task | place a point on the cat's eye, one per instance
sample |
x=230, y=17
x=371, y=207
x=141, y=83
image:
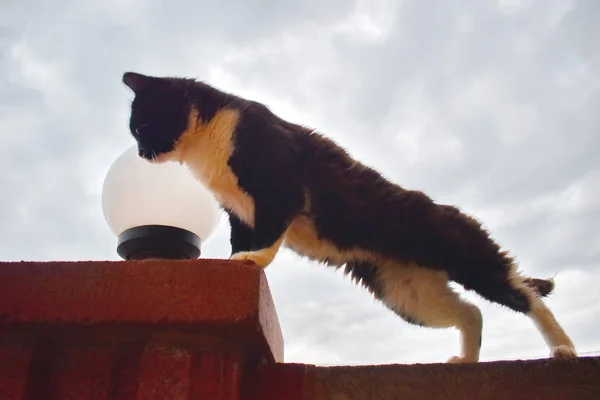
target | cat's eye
x=140, y=129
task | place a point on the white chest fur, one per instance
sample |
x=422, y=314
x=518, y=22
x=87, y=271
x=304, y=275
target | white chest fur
x=206, y=148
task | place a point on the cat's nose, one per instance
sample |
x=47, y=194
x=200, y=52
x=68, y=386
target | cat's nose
x=142, y=152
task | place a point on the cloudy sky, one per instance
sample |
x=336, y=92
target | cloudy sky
x=489, y=105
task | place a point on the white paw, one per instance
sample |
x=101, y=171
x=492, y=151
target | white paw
x=563, y=352
x=257, y=257
x=461, y=360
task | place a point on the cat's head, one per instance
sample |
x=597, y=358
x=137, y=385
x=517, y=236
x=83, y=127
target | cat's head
x=159, y=113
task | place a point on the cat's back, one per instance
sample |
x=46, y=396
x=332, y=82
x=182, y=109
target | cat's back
x=331, y=169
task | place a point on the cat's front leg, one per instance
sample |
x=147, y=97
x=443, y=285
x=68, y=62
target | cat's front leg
x=271, y=220
x=262, y=257
x=241, y=236
x=242, y=244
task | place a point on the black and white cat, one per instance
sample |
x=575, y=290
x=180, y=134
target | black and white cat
x=286, y=185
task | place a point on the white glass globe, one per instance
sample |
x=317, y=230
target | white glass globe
x=138, y=193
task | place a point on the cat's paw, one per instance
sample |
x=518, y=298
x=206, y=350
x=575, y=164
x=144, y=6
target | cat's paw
x=461, y=360
x=563, y=352
x=259, y=258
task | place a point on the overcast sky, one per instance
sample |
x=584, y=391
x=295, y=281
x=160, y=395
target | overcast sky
x=489, y=105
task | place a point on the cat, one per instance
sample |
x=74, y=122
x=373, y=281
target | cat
x=283, y=184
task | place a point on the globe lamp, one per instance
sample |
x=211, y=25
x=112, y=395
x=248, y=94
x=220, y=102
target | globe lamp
x=156, y=210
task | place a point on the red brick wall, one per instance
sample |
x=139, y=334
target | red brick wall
x=133, y=330
x=207, y=329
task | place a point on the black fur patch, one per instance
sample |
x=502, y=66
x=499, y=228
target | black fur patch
x=365, y=273
x=242, y=236
x=266, y=161
x=543, y=287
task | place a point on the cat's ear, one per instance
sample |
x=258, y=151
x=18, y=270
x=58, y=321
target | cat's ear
x=138, y=82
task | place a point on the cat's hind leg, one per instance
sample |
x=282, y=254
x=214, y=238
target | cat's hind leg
x=508, y=288
x=561, y=346
x=422, y=296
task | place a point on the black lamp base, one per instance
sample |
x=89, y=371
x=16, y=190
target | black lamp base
x=158, y=241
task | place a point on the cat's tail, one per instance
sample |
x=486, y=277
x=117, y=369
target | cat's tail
x=543, y=287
